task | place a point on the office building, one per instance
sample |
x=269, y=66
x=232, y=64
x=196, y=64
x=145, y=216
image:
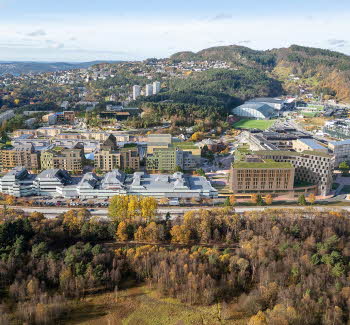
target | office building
x=341, y=151
x=136, y=92
x=262, y=176
x=51, y=181
x=164, y=154
x=17, y=182
x=58, y=183
x=311, y=167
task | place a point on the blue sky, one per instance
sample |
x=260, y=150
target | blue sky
x=78, y=30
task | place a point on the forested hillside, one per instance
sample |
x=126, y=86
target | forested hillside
x=321, y=70
x=207, y=95
x=238, y=55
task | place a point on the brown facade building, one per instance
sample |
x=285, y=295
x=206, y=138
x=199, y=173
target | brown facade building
x=23, y=155
x=61, y=158
x=110, y=157
x=123, y=158
x=262, y=176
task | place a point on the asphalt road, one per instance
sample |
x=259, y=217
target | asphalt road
x=52, y=212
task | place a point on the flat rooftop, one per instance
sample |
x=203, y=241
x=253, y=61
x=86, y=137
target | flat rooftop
x=340, y=143
x=312, y=144
x=262, y=165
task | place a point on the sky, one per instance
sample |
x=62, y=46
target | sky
x=77, y=30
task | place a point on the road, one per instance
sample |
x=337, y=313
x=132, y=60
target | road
x=52, y=212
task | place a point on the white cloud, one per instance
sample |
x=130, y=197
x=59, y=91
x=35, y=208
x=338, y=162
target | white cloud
x=140, y=37
x=337, y=42
x=223, y=16
x=38, y=32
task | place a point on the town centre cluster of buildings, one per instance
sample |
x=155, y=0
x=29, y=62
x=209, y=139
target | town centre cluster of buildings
x=58, y=183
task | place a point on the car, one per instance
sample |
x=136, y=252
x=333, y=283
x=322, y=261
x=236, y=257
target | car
x=174, y=202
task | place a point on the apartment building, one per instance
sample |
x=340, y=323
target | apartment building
x=110, y=157
x=156, y=87
x=123, y=158
x=136, y=92
x=149, y=90
x=63, y=158
x=41, y=132
x=22, y=155
x=65, y=117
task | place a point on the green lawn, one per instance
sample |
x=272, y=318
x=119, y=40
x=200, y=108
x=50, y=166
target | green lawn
x=309, y=114
x=254, y=124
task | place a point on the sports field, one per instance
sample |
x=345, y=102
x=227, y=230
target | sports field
x=254, y=124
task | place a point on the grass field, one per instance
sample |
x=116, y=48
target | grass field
x=142, y=306
x=254, y=124
x=309, y=114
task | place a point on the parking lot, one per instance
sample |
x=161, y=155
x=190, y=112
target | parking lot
x=59, y=202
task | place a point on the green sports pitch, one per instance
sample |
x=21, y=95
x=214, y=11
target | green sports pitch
x=254, y=124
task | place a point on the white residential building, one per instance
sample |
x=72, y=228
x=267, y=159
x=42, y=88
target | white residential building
x=136, y=92
x=64, y=105
x=149, y=90
x=156, y=87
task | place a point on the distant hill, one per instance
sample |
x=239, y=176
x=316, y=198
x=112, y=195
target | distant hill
x=17, y=68
x=238, y=55
x=322, y=71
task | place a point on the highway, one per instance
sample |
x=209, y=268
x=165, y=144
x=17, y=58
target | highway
x=52, y=212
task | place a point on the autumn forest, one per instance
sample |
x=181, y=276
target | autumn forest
x=276, y=266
